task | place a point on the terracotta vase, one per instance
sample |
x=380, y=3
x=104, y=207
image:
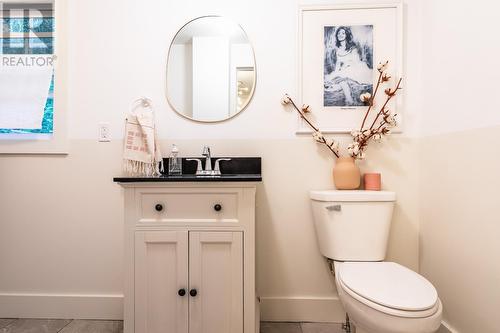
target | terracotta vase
x=346, y=174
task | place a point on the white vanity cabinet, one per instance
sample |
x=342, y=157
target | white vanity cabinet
x=190, y=257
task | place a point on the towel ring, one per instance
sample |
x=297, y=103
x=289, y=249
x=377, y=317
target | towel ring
x=143, y=102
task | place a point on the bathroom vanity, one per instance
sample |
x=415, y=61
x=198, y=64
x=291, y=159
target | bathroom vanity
x=190, y=254
x=190, y=239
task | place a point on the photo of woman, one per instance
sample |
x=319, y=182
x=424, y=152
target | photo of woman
x=348, y=64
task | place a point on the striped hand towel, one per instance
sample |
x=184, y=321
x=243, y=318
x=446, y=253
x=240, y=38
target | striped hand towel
x=141, y=154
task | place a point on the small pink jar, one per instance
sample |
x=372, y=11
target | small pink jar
x=372, y=181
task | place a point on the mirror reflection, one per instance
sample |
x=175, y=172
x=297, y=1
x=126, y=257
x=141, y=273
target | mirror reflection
x=211, y=70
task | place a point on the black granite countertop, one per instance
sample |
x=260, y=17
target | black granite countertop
x=239, y=169
x=191, y=178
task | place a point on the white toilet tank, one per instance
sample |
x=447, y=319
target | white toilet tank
x=353, y=225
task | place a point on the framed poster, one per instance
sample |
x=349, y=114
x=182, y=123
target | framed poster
x=340, y=48
x=26, y=67
x=33, y=67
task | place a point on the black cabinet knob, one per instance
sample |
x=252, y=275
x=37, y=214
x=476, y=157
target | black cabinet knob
x=218, y=207
x=159, y=207
x=193, y=292
x=182, y=292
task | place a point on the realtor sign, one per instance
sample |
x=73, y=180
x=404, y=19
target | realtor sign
x=26, y=67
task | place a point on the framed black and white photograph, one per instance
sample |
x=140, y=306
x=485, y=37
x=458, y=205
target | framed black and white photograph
x=339, y=50
x=348, y=64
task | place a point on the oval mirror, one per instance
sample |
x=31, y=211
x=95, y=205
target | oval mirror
x=210, y=70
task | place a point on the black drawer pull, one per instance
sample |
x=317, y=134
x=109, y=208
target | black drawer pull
x=218, y=207
x=159, y=207
x=193, y=292
x=182, y=292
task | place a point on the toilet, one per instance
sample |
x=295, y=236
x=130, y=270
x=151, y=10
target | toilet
x=352, y=228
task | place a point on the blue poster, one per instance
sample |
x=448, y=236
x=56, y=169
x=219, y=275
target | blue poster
x=26, y=68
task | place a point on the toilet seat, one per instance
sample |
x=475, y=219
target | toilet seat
x=388, y=287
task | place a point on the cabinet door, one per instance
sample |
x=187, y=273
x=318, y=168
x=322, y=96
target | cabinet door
x=216, y=272
x=161, y=261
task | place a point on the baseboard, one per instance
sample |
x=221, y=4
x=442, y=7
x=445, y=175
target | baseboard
x=312, y=309
x=110, y=307
x=446, y=328
x=303, y=309
x=62, y=306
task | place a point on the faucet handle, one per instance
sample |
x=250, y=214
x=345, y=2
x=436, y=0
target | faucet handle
x=217, y=167
x=199, y=169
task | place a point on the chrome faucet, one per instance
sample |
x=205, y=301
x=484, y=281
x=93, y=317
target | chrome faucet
x=208, y=172
x=208, y=159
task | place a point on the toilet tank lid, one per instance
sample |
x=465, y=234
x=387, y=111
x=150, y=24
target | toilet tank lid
x=346, y=196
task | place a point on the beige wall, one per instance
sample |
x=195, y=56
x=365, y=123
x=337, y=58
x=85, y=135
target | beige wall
x=459, y=163
x=460, y=226
x=61, y=226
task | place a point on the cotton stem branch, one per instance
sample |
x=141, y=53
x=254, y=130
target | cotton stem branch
x=389, y=96
x=371, y=100
x=303, y=116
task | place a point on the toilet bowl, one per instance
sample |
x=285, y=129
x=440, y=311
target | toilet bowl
x=384, y=297
x=352, y=228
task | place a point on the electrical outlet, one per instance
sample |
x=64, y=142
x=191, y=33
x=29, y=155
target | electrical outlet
x=104, y=133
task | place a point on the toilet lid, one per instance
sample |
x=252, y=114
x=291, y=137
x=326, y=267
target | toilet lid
x=389, y=284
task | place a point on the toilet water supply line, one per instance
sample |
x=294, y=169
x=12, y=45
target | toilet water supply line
x=331, y=265
x=347, y=325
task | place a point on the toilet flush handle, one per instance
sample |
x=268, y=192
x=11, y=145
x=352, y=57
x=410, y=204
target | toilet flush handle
x=334, y=208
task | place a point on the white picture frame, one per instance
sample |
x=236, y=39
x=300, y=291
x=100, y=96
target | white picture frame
x=387, y=22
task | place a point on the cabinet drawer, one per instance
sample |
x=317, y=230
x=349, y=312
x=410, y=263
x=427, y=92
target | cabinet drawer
x=188, y=206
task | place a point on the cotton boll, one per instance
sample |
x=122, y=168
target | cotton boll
x=353, y=148
x=390, y=120
x=334, y=145
x=382, y=66
x=285, y=100
x=365, y=97
x=318, y=136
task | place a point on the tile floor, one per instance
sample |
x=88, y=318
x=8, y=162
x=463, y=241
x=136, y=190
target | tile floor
x=106, y=326
x=267, y=327
x=59, y=326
